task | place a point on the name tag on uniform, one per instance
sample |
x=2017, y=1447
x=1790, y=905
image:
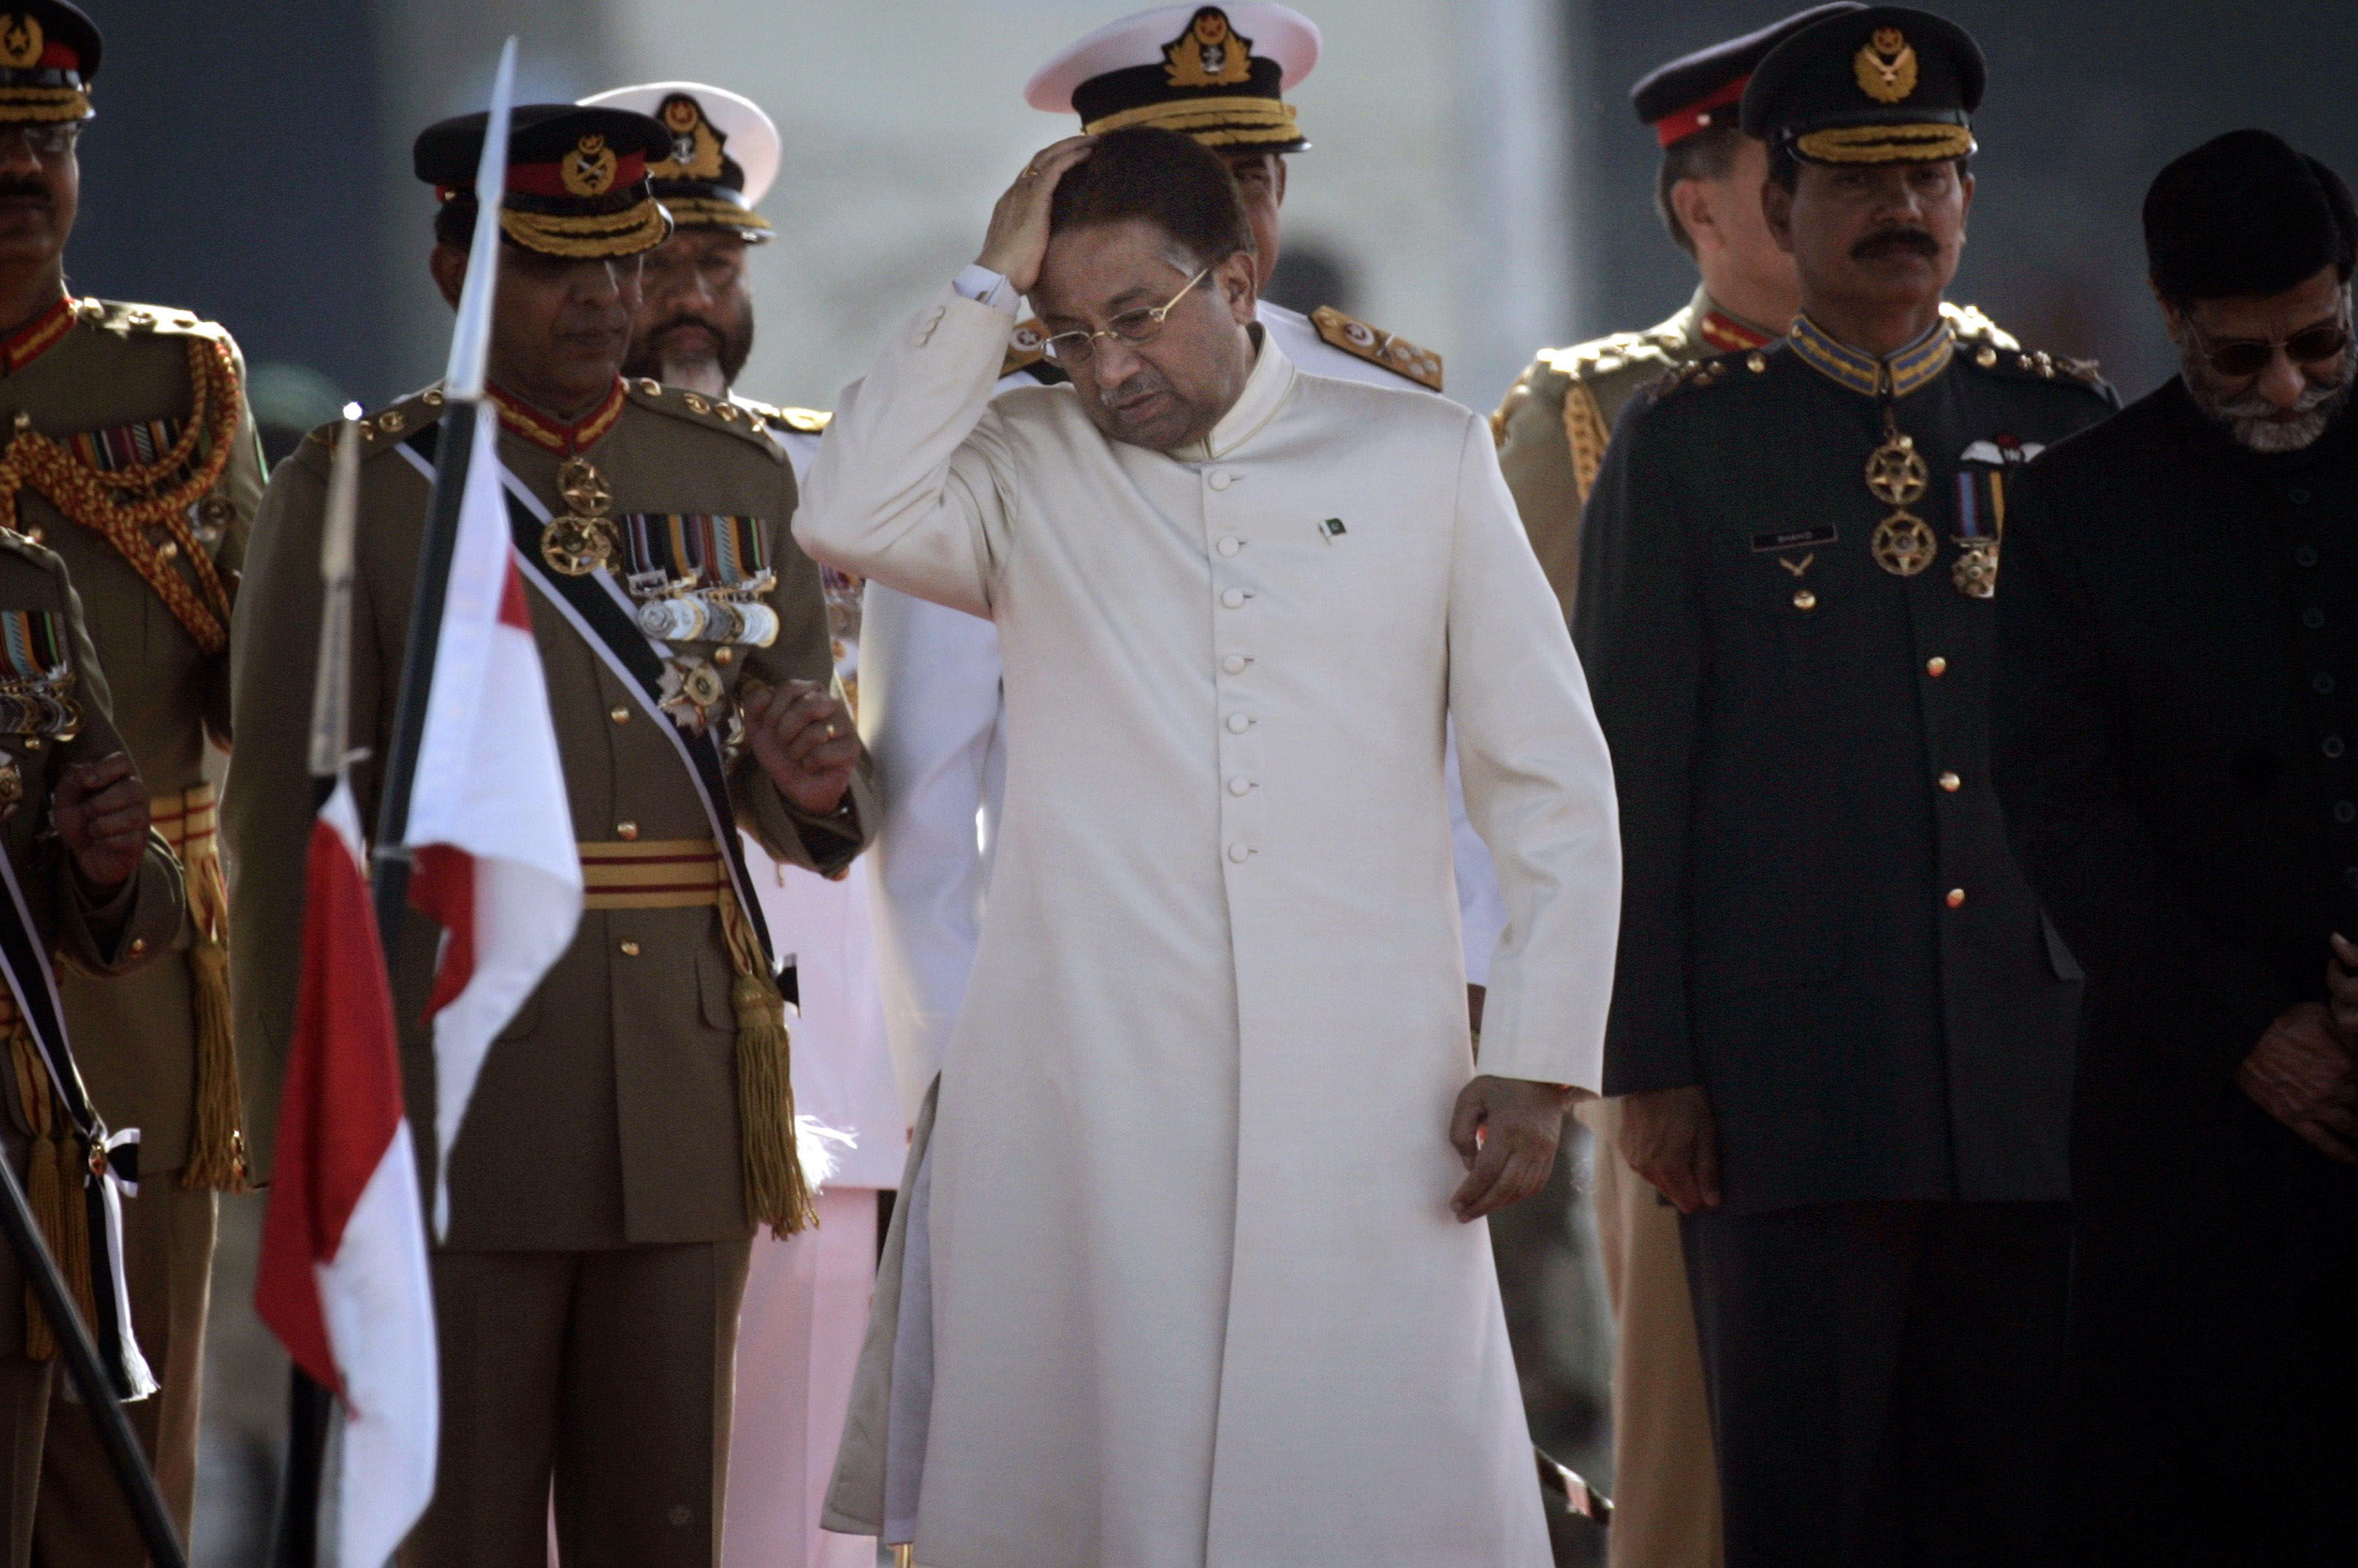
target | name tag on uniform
x=1794, y=539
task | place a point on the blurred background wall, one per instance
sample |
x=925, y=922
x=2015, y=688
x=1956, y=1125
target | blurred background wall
x=1477, y=186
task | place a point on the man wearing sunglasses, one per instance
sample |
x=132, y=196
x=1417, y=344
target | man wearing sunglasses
x=2176, y=751
x=1209, y=1137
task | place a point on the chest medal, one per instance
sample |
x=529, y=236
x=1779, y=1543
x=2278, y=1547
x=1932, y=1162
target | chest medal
x=1903, y=542
x=582, y=539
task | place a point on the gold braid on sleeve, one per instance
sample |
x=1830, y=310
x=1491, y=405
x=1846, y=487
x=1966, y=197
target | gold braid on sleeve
x=1586, y=432
x=122, y=506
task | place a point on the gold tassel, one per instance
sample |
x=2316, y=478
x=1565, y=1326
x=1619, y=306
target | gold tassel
x=775, y=1191
x=216, y=1140
x=54, y=1185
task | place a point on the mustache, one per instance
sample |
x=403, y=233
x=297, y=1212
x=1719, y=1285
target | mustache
x=24, y=190
x=1893, y=241
x=679, y=318
x=1140, y=383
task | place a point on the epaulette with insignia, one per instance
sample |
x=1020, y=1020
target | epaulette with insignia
x=1027, y=351
x=145, y=320
x=1711, y=372
x=2033, y=365
x=800, y=421
x=1396, y=355
x=388, y=425
x=1972, y=326
x=1609, y=355
x=695, y=408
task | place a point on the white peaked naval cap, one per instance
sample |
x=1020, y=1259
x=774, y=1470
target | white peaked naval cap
x=724, y=152
x=1218, y=73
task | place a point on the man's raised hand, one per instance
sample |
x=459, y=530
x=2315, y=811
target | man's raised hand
x=1018, y=240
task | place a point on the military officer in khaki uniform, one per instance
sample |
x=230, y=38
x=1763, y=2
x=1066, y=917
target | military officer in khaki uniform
x=129, y=451
x=1552, y=429
x=602, y=1198
x=91, y=887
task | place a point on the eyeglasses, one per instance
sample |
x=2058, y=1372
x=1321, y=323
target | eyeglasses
x=2241, y=357
x=1131, y=327
x=44, y=142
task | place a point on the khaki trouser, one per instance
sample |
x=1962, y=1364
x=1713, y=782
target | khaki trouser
x=62, y=1504
x=608, y=1373
x=1665, y=1480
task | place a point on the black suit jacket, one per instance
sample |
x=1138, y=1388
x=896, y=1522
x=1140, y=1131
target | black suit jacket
x=1801, y=747
x=2177, y=701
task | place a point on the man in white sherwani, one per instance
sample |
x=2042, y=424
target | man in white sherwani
x=935, y=720
x=1202, y=1292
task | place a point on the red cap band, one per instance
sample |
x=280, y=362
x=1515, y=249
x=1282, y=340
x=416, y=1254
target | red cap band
x=548, y=178
x=1697, y=116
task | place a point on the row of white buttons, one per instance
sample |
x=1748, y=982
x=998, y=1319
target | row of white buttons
x=1228, y=548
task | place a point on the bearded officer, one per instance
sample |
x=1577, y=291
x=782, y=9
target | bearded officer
x=1844, y=1030
x=806, y=1296
x=618, y=1155
x=1553, y=430
x=935, y=713
x=130, y=452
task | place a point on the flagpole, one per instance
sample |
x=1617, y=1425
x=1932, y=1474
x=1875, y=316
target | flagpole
x=295, y=1542
x=295, y=1529
x=462, y=394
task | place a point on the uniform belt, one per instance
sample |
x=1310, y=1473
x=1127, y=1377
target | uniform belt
x=653, y=873
x=189, y=821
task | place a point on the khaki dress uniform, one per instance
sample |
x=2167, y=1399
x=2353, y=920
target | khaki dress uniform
x=137, y=926
x=588, y=1289
x=131, y=453
x=1552, y=429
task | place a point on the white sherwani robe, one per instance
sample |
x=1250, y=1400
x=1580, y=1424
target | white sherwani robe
x=1197, y=1297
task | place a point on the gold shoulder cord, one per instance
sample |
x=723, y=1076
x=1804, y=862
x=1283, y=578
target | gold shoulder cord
x=1585, y=433
x=121, y=506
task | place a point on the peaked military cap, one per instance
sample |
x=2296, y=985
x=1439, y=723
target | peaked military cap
x=1214, y=72
x=576, y=178
x=2246, y=214
x=723, y=155
x=1699, y=90
x=49, y=54
x=1881, y=85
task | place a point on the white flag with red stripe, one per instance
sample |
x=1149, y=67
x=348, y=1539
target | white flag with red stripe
x=343, y=1279
x=488, y=820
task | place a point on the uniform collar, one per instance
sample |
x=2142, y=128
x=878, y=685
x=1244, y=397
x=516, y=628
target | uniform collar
x=1911, y=368
x=550, y=434
x=37, y=336
x=1721, y=332
x=1265, y=390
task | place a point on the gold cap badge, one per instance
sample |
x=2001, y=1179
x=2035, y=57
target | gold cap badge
x=695, y=145
x=1885, y=64
x=588, y=169
x=1210, y=53
x=20, y=42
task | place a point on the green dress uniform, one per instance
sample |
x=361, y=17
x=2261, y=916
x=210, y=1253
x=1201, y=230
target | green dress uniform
x=132, y=454
x=127, y=447
x=1557, y=419
x=588, y=1287
x=137, y=925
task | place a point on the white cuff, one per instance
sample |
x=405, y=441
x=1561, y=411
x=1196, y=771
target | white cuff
x=979, y=283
